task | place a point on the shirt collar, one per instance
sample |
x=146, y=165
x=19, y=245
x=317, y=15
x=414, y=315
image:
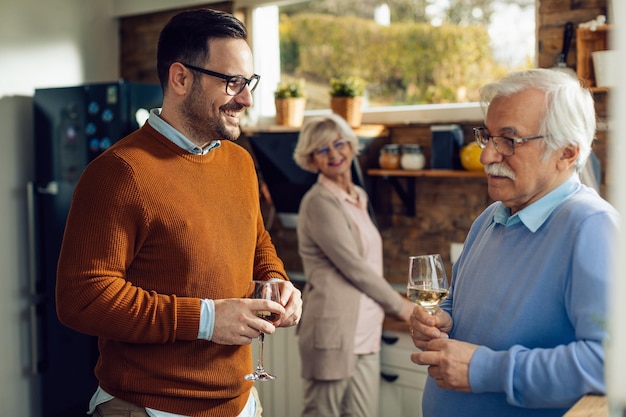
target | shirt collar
x=176, y=137
x=535, y=214
x=339, y=192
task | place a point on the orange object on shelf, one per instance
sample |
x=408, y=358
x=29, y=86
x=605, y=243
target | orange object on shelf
x=470, y=157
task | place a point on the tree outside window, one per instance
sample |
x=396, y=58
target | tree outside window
x=410, y=52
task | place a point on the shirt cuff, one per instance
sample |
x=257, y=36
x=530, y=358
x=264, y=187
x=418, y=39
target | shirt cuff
x=207, y=319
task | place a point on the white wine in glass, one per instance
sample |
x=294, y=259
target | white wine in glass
x=427, y=284
x=268, y=290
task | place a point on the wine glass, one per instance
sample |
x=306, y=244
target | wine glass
x=427, y=284
x=268, y=290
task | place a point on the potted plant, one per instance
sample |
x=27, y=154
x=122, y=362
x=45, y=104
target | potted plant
x=346, y=98
x=290, y=101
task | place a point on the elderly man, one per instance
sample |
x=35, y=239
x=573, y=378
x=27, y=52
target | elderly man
x=521, y=333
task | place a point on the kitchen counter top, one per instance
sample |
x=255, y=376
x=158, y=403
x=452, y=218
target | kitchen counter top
x=589, y=406
x=390, y=323
x=393, y=324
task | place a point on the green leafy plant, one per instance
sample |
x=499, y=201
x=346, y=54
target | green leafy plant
x=290, y=89
x=347, y=86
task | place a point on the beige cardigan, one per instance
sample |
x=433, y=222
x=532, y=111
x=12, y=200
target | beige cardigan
x=336, y=273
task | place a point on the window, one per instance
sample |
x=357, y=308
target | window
x=419, y=57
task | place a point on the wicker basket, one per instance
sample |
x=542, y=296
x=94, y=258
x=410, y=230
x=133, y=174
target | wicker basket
x=290, y=111
x=349, y=108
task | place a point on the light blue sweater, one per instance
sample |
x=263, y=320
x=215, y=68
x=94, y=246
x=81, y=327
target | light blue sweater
x=531, y=291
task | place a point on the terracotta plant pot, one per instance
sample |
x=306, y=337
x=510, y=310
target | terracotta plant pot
x=349, y=108
x=290, y=111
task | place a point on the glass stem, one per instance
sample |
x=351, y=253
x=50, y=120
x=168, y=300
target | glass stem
x=260, y=363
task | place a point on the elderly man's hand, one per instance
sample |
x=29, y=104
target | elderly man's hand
x=448, y=361
x=425, y=327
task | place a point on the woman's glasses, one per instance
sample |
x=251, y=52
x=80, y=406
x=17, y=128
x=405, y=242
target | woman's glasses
x=337, y=145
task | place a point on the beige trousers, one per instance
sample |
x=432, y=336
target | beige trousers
x=351, y=397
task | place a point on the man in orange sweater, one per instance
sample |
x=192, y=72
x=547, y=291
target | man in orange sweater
x=164, y=235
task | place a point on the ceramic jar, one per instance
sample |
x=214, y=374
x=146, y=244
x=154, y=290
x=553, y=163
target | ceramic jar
x=389, y=156
x=412, y=157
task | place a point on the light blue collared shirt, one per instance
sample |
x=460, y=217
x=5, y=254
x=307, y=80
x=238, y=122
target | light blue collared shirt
x=207, y=307
x=536, y=213
x=178, y=138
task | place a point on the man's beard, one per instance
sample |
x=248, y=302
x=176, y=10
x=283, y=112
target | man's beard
x=200, y=126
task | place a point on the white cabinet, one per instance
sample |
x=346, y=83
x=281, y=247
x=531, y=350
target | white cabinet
x=281, y=397
x=401, y=386
x=402, y=381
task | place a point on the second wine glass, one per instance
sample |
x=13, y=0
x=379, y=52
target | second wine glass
x=427, y=284
x=268, y=290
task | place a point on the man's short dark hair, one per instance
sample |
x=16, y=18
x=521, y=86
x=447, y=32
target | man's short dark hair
x=185, y=38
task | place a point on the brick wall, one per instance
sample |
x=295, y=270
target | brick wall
x=138, y=41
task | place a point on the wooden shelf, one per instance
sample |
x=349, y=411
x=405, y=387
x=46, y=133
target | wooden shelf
x=435, y=173
x=363, y=131
x=407, y=195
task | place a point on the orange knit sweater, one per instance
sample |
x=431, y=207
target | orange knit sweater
x=153, y=229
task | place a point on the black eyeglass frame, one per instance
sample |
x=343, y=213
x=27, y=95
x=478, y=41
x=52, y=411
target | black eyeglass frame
x=228, y=78
x=482, y=139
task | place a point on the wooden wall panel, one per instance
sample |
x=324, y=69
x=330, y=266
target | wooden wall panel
x=551, y=18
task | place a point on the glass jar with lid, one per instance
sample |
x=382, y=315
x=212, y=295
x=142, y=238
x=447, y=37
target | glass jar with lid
x=412, y=157
x=389, y=156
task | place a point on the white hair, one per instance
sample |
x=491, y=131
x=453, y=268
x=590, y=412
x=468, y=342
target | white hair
x=317, y=132
x=570, y=117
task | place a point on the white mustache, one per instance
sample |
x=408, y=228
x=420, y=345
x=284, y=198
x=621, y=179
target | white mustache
x=499, y=170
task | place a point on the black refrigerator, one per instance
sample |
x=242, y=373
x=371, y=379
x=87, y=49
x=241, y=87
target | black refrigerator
x=72, y=126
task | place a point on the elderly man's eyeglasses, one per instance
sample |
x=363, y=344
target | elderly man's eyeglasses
x=337, y=145
x=234, y=83
x=504, y=145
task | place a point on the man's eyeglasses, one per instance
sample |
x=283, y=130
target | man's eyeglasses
x=504, y=145
x=337, y=145
x=234, y=83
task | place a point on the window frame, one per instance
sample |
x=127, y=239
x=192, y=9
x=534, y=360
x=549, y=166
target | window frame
x=262, y=14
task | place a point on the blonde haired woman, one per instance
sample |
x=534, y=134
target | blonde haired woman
x=345, y=296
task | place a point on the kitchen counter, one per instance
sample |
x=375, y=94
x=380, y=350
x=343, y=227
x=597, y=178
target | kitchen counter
x=391, y=322
x=394, y=324
x=589, y=406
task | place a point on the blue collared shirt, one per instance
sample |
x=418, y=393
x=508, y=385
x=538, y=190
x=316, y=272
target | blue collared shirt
x=178, y=138
x=536, y=213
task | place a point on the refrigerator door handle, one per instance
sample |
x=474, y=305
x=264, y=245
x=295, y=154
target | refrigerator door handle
x=34, y=340
x=38, y=337
x=32, y=245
